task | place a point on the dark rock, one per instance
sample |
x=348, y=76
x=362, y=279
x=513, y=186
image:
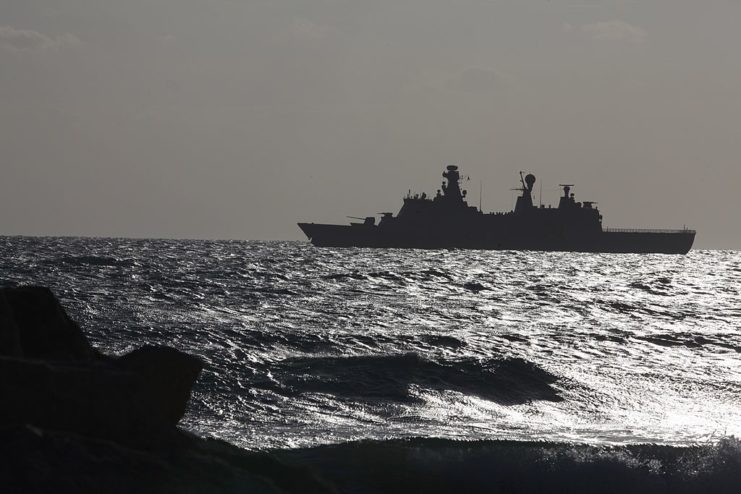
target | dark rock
x=34, y=460
x=10, y=340
x=34, y=325
x=115, y=400
x=74, y=420
x=52, y=377
x=166, y=378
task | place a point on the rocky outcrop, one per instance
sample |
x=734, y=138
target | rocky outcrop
x=75, y=420
x=34, y=460
x=33, y=325
x=53, y=378
x=165, y=378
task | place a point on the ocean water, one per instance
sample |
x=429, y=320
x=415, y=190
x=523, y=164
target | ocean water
x=307, y=347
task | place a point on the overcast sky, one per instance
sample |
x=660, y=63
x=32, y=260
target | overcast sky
x=238, y=118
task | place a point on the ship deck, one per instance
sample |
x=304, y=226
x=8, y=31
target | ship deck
x=648, y=230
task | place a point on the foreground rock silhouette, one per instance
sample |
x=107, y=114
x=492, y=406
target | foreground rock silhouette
x=75, y=420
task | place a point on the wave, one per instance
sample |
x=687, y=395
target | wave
x=92, y=261
x=685, y=339
x=418, y=275
x=440, y=465
x=660, y=287
x=443, y=341
x=474, y=287
x=344, y=276
x=390, y=378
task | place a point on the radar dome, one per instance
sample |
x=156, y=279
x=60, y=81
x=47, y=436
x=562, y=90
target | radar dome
x=530, y=180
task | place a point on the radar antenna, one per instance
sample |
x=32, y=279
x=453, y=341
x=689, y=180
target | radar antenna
x=566, y=189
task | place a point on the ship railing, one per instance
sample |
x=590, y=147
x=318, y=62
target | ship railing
x=647, y=230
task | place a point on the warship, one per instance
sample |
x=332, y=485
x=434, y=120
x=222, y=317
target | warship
x=446, y=221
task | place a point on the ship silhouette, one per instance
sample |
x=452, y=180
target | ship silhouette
x=447, y=221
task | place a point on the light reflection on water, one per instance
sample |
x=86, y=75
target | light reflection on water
x=644, y=347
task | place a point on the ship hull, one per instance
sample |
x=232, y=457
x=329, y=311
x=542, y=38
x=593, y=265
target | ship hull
x=615, y=241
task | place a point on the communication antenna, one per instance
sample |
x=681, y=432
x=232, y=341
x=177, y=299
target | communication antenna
x=540, y=198
x=481, y=190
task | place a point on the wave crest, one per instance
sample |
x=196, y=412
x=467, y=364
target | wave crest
x=389, y=377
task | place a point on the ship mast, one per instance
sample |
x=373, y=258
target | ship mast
x=452, y=189
x=525, y=201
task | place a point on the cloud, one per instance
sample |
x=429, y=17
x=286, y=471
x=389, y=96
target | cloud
x=614, y=30
x=26, y=40
x=479, y=80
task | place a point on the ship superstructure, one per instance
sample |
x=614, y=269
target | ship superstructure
x=447, y=221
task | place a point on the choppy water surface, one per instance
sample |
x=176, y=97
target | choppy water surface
x=307, y=346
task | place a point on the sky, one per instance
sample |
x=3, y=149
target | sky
x=236, y=119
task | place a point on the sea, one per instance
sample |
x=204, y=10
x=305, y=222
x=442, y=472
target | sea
x=306, y=346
